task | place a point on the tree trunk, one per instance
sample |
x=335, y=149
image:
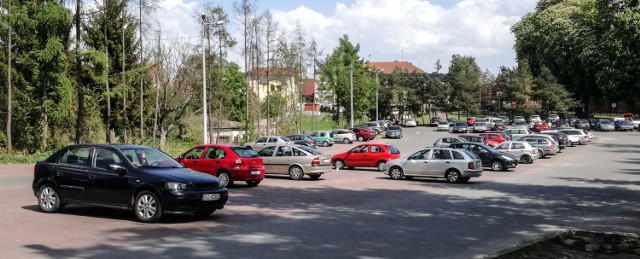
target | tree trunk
x=108, y=120
x=163, y=138
x=81, y=111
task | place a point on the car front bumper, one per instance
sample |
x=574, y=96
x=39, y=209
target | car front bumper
x=191, y=200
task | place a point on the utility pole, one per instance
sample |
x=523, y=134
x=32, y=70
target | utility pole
x=205, y=137
x=351, y=91
x=141, y=79
x=80, y=119
x=124, y=77
x=106, y=49
x=220, y=23
x=9, y=87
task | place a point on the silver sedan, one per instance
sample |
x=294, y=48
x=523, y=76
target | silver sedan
x=523, y=150
x=456, y=165
x=295, y=161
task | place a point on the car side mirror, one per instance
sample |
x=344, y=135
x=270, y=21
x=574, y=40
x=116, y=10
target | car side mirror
x=117, y=168
x=181, y=156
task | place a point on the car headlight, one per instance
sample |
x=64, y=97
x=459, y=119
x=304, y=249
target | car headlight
x=507, y=158
x=176, y=186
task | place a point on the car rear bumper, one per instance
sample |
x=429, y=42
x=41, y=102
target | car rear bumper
x=192, y=200
x=474, y=173
x=318, y=169
x=247, y=175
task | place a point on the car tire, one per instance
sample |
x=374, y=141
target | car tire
x=346, y=141
x=453, y=176
x=361, y=139
x=147, y=207
x=325, y=143
x=49, y=199
x=338, y=164
x=315, y=176
x=541, y=153
x=569, y=143
x=296, y=173
x=526, y=159
x=249, y=147
x=580, y=142
x=204, y=213
x=497, y=165
x=396, y=173
x=225, y=179
x=381, y=165
x=253, y=183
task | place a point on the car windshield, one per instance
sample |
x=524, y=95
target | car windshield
x=310, y=150
x=443, y=122
x=149, y=157
x=285, y=139
x=244, y=152
x=627, y=122
x=394, y=128
x=461, y=124
x=393, y=149
x=605, y=122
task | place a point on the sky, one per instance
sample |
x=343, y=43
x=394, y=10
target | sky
x=417, y=31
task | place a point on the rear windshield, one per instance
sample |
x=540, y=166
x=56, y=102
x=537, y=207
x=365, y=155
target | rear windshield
x=461, y=124
x=310, y=150
x=394, y=128
x=244, y=152
x=393, y=150
x=470, y=154
x=286, y=139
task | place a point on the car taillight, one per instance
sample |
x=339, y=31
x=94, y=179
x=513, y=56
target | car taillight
x=533, y=151
x=551, y=148
x=471, y=165
x=315, y=161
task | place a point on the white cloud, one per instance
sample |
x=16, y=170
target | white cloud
x=423, y=31
x=389, y=30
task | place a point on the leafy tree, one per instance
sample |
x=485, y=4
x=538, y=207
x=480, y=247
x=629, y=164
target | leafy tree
x=464, y=79
x=337, y=69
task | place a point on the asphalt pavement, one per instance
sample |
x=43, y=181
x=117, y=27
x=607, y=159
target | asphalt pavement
x=352, y=213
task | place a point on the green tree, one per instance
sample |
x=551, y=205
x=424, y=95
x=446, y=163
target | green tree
x=336, y=74
x=464, y=79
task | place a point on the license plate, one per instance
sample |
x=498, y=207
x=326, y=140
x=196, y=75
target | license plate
x=255, y=172
x=210, y=196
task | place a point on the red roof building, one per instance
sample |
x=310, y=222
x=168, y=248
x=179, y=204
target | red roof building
x=389, y=67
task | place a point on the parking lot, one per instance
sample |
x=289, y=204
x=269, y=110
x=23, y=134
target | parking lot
x=353, y=213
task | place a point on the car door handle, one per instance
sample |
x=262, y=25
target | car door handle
x=195, y=162
x=448, y=162
x=92, y=176
x=425, y=162
x=217, y=162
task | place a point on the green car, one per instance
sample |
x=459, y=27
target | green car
x=322, y=138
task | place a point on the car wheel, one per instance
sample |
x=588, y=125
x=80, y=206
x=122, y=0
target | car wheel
x=346, y=141
x=296, y=173
x=360, y=139
x=396, y=173
x=204, y=213
x=48, y=199
x=253, y=183
x=497, y=165
x=580, y=142
x=453, y=176
x=339, y=164
x=381, y=165
x=147, y=207
x=525, y=159
x=541, y=153
x=315, y=176
x=225, y=179
x=569, y=143
x=249, y=147
x=325, y=144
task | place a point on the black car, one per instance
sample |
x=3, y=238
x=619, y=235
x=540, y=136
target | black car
x=490, y=157
x=434, y=121
x=138, y=178
x=304, y=140
x=559, y=136
x=459, y=127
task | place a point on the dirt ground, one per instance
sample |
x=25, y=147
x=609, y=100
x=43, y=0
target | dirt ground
x=580, y=244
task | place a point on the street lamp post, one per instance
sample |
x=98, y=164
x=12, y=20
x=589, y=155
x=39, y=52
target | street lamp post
x=205, y=137
x=351, y=84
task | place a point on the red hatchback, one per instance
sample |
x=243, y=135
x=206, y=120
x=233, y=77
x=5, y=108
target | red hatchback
x=229, y=163
x=366, y=155
x=494, y=139
x=363, y=134
x=471, y=121
x=540, y=126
